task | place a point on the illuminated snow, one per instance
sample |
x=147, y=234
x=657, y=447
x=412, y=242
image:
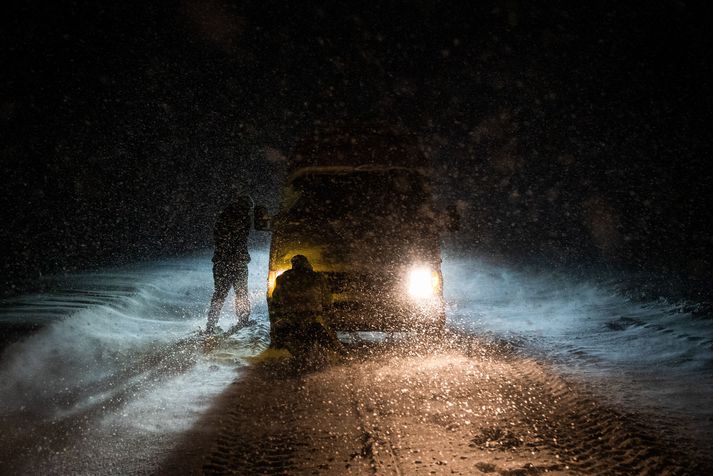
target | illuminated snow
x=120, y=358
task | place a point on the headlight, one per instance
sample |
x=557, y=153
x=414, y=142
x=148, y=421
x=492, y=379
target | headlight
x=422, y=282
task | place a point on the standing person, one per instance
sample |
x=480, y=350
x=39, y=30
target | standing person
x=230, y=260
x=300, y=300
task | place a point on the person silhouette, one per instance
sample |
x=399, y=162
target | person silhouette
x=230, y=260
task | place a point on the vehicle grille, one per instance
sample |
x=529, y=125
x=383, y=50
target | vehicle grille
x=358, y=283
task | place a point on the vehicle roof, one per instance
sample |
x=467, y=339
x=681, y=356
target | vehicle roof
x=349, y=169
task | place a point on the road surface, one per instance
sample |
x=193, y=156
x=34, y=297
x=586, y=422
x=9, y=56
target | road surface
x=416, y=406
x=537, y=374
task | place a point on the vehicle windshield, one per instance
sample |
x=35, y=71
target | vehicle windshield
x=394, y=195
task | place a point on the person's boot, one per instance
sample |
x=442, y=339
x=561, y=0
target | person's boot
x=210, y=327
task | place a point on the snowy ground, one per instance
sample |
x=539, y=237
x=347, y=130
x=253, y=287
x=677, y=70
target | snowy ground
x=652, y=356
x=115, y=377
x=116, y=374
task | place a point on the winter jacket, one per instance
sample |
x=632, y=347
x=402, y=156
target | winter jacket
x=300, y=292
x=231, y=235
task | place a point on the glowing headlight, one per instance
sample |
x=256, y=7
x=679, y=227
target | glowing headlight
x=422, y=282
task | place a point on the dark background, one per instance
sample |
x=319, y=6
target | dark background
x=570, y=135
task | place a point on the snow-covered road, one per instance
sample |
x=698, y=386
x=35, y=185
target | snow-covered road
x=115, y=375
x=649, y=355
x=113, y=378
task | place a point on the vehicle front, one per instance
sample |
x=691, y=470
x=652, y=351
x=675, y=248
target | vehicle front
x=374, y=234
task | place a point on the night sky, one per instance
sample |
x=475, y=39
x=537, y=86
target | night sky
x=569, y=135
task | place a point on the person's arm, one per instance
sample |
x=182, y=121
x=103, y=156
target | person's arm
x=219, y=231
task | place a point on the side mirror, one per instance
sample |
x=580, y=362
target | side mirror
x=261, y=218
x=452, y=218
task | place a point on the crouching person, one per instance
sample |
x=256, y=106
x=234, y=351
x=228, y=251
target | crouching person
x=299, y=302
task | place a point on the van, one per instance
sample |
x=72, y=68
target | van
x=359, y=205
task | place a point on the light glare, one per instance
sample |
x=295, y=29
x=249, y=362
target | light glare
x=420, y=283
x=271, y=280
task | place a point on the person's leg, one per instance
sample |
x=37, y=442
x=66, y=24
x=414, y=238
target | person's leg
x=221, y=283
x=239, y=280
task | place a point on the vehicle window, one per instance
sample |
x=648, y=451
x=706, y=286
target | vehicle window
x=392, y=195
